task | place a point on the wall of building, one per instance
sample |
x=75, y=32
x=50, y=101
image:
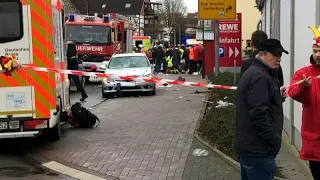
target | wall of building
x=296, y=37
x=250, y=18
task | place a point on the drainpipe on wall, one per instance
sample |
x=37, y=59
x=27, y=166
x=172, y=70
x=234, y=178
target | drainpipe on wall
x=277, y=23
x=317, y=13
x=259, y=25
x=292, y=42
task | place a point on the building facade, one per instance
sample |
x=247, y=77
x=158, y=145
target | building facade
x=288, y=21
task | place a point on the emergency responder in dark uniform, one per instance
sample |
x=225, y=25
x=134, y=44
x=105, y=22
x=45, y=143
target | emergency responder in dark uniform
x=73, y=64
x=159, y=58
x=176, y=58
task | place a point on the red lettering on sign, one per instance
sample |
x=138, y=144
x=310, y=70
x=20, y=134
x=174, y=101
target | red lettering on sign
x=90, y=48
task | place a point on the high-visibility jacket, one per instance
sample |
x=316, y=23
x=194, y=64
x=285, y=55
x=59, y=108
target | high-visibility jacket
x=181, y=52
x=191, y=54
x=169, y=61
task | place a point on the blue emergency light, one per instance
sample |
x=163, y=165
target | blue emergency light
x=105, y=18
x=71, y=17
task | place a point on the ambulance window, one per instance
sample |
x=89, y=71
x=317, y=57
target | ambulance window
x=138, y=43
x=11, y=21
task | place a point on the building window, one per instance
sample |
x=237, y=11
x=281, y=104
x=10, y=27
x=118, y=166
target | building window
x=146, y=21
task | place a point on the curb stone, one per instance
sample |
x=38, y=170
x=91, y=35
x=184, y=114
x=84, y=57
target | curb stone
x=37, y=164
x=39, y=161
x=225, y=157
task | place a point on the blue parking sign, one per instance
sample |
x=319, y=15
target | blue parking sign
x=221, y=52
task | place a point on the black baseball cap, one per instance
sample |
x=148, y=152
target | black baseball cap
x=272, y=46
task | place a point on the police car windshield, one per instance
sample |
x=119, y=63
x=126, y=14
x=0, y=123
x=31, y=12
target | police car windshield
x=88, y=34
x=128, y=62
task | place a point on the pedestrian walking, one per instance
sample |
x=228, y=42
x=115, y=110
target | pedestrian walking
x=259, y=113
x=73, y=64
x=256, y=38
x=307, y=93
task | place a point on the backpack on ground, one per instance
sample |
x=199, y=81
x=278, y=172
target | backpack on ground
x=82, y=117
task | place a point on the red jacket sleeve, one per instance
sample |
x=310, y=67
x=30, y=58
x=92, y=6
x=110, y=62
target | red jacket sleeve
x=299, y=92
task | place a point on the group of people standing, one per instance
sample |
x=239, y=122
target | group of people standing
x=180, y=58
x=259, y=110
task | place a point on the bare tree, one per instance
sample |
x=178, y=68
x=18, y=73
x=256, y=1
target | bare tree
x=171, y=13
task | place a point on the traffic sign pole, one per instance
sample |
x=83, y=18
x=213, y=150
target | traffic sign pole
x=203, y=55
x=217, y=45
x=217, y=10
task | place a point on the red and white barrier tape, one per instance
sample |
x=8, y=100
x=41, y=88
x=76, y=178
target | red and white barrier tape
x=135, y=78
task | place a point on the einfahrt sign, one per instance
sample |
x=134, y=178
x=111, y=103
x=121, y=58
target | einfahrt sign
x=230, y=40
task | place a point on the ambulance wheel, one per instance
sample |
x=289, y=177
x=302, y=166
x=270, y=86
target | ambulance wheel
x=53, y=134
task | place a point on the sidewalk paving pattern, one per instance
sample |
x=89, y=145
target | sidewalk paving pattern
x=289, y=163
x=142, y=138
x=138, y=138
x=210, y=167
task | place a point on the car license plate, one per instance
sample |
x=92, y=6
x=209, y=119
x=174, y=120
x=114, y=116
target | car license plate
x=3, y=125
x=14, y=124
x=128, y=84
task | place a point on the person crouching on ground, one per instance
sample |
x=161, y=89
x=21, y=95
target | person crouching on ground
x=259, y=113
x=307, y=93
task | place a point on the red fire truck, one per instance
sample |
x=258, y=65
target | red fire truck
x=99, y=37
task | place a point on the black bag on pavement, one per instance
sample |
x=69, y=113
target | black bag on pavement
x=82, y=117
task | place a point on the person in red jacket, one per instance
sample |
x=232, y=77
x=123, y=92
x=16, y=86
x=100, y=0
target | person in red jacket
x=305, y=89
x=198, y=55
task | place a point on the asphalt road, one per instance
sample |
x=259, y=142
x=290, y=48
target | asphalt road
x=14, y=165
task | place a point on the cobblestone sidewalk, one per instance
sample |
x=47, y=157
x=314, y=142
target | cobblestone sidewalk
x=210, y=167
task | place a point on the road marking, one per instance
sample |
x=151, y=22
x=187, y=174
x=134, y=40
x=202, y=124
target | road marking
x=55, y=166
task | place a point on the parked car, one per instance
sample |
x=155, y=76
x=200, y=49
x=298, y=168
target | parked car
x=131, y=64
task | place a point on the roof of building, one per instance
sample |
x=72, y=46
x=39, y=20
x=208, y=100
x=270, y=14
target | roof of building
x=192, y=15
x=128, y=7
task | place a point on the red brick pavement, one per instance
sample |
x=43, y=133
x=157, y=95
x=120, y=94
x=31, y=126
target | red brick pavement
x=139, y=137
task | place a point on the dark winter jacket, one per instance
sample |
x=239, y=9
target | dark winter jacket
x=259, y=112
x=72, y=59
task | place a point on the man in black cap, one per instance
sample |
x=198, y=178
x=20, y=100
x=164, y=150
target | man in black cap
x=259, y=113
x=256, y=38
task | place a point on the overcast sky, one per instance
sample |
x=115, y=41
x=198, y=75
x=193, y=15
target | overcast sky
x=192, y=5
